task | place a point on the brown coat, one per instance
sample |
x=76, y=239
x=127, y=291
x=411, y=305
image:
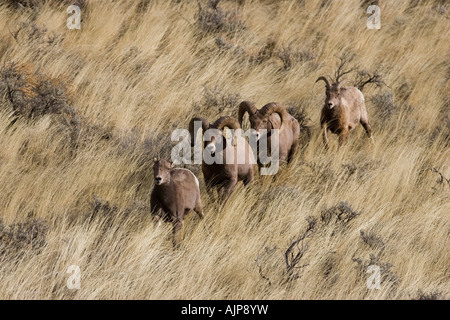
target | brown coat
x=273, y=116
x=175, y=194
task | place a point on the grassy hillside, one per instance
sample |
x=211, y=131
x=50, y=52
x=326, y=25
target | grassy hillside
x=83, y=112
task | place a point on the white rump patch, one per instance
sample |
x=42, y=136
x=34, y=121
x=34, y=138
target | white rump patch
x=362, y=96
x=196, y=180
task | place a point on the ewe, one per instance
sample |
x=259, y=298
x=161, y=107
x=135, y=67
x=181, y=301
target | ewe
x=175, y=194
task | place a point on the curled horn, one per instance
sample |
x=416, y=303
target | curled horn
x=205, y=126
x=246, y=106
x=326, y=81
x=226, y=121
x=229, y=122
x=272, y=107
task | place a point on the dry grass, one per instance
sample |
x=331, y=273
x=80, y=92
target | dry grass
x=139, y=69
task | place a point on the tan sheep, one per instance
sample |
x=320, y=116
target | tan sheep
x=273, y=116
x=226, y=175
x=344, y=108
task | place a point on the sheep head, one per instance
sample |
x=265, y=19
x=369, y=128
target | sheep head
x=259, y=119
x=220, y=124
x=333, y=92
x=161, y=171
x=267, y=111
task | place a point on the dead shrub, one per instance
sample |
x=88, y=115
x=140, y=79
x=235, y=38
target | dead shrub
x=299, y=112
x=294, y=253
x=385, y=105
x=361, y=169
x=22, y=4
x=254, y=56
x=42, y=44
x=30, y=95
x=142, y=6
x=212, y=19
x=433, y=295
x=238, y=52
x=291, y=56
x=365, y=77
x=216, y=102
x=298, y=247
x=372, y=240
x=293, y=258
x=23, y=237
x=344, y=65
x=342, y=213
x=441, y=131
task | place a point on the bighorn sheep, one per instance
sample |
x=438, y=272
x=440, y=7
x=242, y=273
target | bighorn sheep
x=344, y=108
x=175, y=194
x=236, y=156
x=273, y=116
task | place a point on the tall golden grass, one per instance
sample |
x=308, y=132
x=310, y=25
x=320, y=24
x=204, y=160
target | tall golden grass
x=141, y=71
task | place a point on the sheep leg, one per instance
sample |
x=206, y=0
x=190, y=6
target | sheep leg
x=177, y=226
x=157, y=219
x=343, y=137
x=325, y=137
x=368, y=129
x=227, y=189
x=292, y=151
x=199, y=208
x=294, y=147
x=157, y=213
x=248, y=178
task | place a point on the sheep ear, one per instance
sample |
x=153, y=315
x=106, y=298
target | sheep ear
x=342, y=83
x=170, y=165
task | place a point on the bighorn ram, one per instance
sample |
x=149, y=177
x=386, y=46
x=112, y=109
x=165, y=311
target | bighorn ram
x=236, y=160
x=273, y=116
x=344, y=108
x=175, y=194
